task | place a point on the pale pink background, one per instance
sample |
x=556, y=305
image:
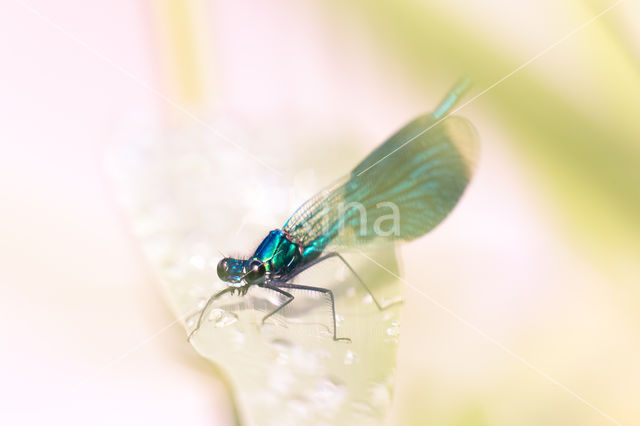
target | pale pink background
x=75, y=295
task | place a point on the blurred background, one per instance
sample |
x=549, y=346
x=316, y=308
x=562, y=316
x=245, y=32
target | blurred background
x=531, y=315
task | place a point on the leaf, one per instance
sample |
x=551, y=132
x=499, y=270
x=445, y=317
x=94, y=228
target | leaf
x=189, y=196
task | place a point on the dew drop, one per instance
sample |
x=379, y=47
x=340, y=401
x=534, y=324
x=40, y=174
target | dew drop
x=222, y=318
x=282, y=358
x=215, y=315
x=380, y=395
x=238, y=337
x=367, y=299
x=307, y=362
x=341, y=273
x=327, y=394
x=350, y=357
x=281, y=379
x=299, y=406
x=394, y=330
x=325, y=332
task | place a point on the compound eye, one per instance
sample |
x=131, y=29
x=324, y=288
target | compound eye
x=223, y=269
x=255, y=272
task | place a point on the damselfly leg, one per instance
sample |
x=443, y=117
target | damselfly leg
x=206, y=306
x=355, y=274
x=278, y=285
x=284, y=293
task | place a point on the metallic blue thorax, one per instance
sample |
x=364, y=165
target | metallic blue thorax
x=279, y=254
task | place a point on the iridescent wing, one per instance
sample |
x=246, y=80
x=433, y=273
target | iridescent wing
x=400, y=191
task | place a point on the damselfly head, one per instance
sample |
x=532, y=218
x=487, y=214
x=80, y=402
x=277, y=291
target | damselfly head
x=231, y=270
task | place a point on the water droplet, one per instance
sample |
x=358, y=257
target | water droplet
x=222, y=318
x=282, y=348
x=380, y=395
x=300, y=406
x=327, y=394
x=350, y=357
x=281, y=379
x=339, y=320
x=341, y=273
x=367, y=299
x=393, y=332
x=305, y=361
x=351, y=292
x=282, y=358
x=238, y=336
x=325, y=331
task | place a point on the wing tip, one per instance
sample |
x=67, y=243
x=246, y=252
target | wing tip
x=465, y=138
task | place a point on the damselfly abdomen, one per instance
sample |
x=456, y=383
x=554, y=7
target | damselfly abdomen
x=399, y=192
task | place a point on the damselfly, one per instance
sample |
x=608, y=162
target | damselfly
x=419, y=173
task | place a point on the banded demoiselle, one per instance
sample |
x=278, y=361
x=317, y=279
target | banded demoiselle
x=413, y=179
